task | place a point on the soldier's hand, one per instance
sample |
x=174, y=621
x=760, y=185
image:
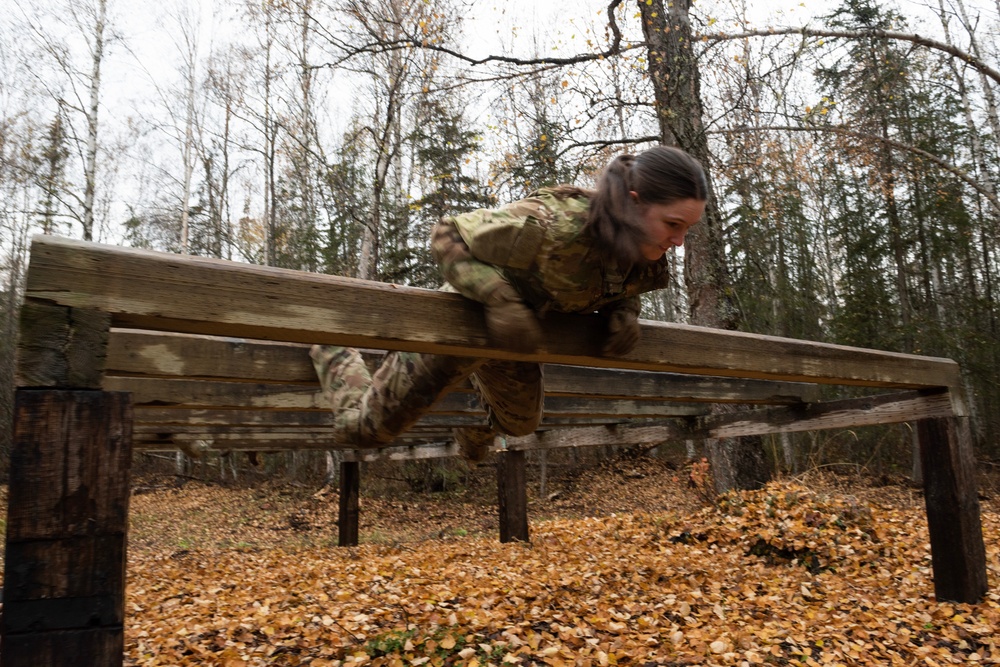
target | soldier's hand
x=510, y=323
x=623, y=333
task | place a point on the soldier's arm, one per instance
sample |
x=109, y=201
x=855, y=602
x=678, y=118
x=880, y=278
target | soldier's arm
x=472, y=278
x=510, y=323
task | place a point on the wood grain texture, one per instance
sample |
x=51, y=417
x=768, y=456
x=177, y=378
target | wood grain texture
x=64, y=572
x=958, y=554
x=846, y=413
x=349, y=509
x=96, y=647
x=208, y=394
x=69, y=464
x=61, y=347
x=142, y=289
x=512, y=491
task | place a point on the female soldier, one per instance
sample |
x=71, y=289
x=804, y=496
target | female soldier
x=565, y=249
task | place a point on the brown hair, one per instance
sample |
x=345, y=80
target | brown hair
x=660, y=175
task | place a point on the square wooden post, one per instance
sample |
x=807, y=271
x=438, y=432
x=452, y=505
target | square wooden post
x=350, y=491
x=958, y=554
x=512, y=491
x=64, y=577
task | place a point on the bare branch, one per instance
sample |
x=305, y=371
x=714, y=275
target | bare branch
x=412, y=41
x=859, y=34
x=625, y=141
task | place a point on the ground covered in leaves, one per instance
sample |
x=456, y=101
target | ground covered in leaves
x=627, y=565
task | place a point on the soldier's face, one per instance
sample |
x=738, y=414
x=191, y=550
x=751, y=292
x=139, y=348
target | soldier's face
x=667, y=224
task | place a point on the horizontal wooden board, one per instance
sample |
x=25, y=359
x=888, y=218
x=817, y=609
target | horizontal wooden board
x=555, y=407
x=143, y=289
x=560, y=398
x=847, y=413
x=159, y=354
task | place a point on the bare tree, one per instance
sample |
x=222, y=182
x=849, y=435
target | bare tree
x=76, y=87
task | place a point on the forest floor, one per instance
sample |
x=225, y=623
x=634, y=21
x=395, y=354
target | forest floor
x=629, y=564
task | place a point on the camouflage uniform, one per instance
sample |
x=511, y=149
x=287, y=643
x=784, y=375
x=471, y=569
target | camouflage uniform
x=537, y=246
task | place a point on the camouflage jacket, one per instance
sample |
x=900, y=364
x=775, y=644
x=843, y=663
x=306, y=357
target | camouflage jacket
x=539, y=247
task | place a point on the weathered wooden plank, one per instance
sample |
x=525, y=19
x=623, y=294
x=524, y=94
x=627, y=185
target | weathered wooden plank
x=958, y=555
x=349, y=508
x=512, y=489
x=143, y=289
x=154, y=353
x=592, y=436
x=64, y=575
x=554, y=407
x=155, y=416
x=199, y=395
x=157, y=354
x=61, y=347
x=209, y=394
x=612, y=383
x=846, y=413
x=404, y=453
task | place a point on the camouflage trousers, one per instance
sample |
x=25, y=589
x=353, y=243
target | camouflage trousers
x=372, y=410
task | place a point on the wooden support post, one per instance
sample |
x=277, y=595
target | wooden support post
x=512, y=489
x=64, y=577
x=350, y=489
x=958, y=554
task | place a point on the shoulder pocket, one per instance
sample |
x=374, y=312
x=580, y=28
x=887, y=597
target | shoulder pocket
x=507, y=245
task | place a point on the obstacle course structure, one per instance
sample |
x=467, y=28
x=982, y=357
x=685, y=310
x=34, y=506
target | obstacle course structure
x=125, y=349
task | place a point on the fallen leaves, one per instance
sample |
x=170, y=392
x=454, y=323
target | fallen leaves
x=836, y=582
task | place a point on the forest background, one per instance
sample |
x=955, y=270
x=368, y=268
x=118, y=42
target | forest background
x=853, y=150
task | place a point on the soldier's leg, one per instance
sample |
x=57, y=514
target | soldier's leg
x=372, y=410
x=512, y=393
x=475, y=442
x=345, y=379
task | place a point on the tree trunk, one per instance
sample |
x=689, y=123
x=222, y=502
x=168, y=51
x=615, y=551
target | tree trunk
x=673, y=71
x=90, y=159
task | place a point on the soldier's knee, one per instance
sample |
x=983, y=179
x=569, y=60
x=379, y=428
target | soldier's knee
x=523, y=425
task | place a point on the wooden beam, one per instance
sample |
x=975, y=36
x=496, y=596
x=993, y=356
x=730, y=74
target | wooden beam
x=61, y=347
x=404, y=453
x=512, y=489
x=193, y=395
x=67, y=517
x=554, y=407
x=958, y=555
x=160, y=354
x=156, y=416
x=349, y=508
x=157, y=354
x=847, y=413
x=149, y=290
x=208, y=394
x=613, y=383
